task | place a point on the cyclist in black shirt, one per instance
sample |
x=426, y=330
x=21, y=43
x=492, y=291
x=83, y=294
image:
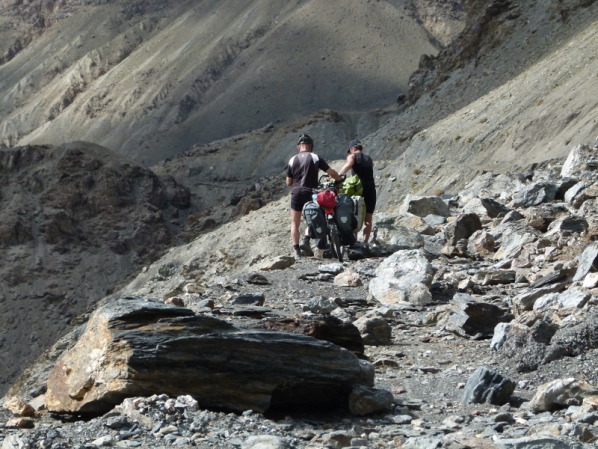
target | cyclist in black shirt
x=302, y=176
x=363, y=167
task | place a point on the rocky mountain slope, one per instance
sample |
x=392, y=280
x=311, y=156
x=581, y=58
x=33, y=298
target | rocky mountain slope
x=124, y=75
x=516, y=88
x=149, y=79
x=77, y=221
x=440, y=279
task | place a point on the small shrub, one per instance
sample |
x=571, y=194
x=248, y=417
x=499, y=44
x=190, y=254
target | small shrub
x=469, y=139
x=438, y=192
x=539, y=102
x=484, y=120
x=416, y=171
x=457, y=138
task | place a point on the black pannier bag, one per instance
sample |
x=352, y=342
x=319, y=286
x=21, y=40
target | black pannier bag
x=344, y=215
x=316, y=220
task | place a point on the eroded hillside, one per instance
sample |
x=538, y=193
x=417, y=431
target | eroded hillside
x=150, y=79
x=519, y=87
x=77, y=220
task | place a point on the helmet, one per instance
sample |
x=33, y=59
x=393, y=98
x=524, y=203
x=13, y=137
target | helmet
x=305, y=138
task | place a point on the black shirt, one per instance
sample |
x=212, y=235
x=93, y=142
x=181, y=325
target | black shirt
x=363, y=167
x=303, y=168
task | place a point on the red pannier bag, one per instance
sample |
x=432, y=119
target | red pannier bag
x=326, y=200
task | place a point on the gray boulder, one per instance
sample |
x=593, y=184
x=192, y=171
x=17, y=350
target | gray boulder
x=425, y=205
x=574, y=191
x=546, y=301
x=410, y=221
x=587, y=261
x=462, y=228
x=526, y=300
x=514, y=215
x=320, y=304
x=249, y=299
x=422, y=443
x=575, y=297
x=365, y=400
x=561, y=393
x=374, y=330
x=512, y=236
x=469, y=316
x=486, y=206
x=589, y=193
x=563, y=185
x=575, y=164
x=405, y=276
x=485, y=386
x=264, y=442
x=392, y=238
x=536, y=443
x=534, y=194
x=567, y=225
x=547, y=342
x=488, y=184
x=434, y=220
x=504, y=331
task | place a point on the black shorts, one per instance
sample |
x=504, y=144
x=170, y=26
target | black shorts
x=299, y=199
x=369, y=197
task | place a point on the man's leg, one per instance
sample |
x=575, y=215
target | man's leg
x=295, y=223
x=367, y=227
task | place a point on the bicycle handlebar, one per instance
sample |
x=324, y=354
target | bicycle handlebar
x=326, y=175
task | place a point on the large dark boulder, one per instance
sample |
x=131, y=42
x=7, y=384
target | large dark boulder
x=471, y=316
x=140, y=346
x=485, y=386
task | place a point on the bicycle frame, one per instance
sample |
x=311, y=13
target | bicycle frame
x=333, y=234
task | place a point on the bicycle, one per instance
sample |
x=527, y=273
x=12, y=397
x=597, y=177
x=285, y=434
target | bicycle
x=333, y=237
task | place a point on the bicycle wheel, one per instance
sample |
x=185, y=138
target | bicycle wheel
x=337, y=249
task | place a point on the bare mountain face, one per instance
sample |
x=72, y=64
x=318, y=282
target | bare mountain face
x=149, y=79
x=517, y=87
x=77, y=220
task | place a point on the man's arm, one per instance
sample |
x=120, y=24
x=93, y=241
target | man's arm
x=289, y=182
x=348, y=164
x=333, y=173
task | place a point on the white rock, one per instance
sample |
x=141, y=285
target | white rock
x=13, y=442
x=403, y=277
x=551, y=394
x=107, y=440
x=575, y=160
x=264, y=442
x=574, y=298
x=547, y=301
x=348, y=279
x=591, y=280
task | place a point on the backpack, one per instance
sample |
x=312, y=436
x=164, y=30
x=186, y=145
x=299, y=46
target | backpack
x=345, y=219
x=352, y=186
x=316, y=220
